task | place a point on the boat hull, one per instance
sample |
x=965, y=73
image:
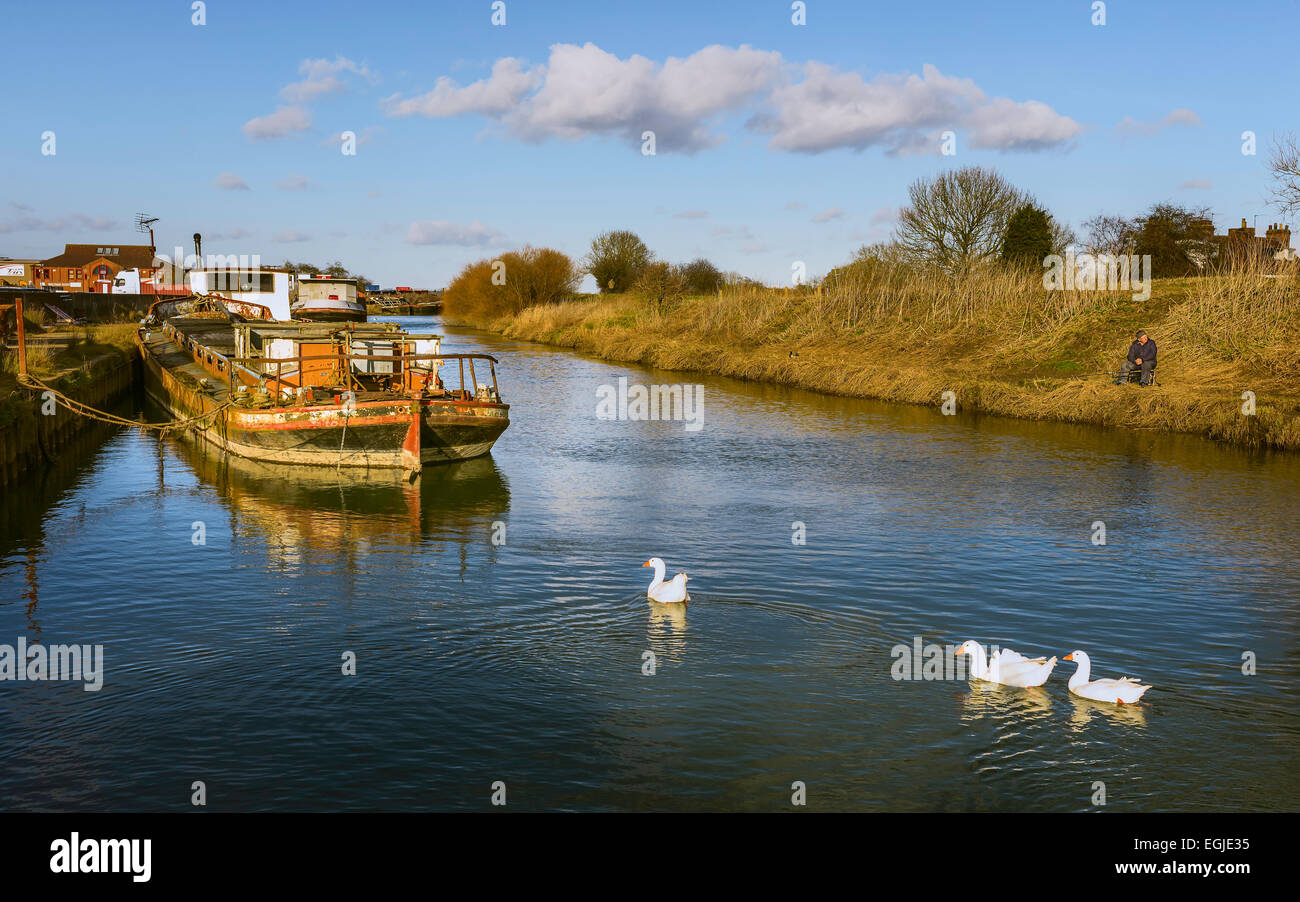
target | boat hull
x=451, y=430
x=353, y=313
x=399, y=432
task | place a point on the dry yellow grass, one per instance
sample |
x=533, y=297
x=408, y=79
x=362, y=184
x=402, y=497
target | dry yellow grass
x=998, y=340
x=84, y=344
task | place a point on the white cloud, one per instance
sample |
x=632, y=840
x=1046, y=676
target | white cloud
x=795, y=205
x=692, y=214
x=441, y=231
x=905, y=114
x=283, y=122
x=497, y=94
x=291, y=236
x=828, y=215
x=1004, y=124
x=230, y=182
x=321, y=77
x=753, y=247
x=294, y=183
x=233, y=235
x=884, y=216
x=1181, y=116
x=1197, y=184
x=588, y=91
x=78, y=221
x=584, y=91
x=729, y=232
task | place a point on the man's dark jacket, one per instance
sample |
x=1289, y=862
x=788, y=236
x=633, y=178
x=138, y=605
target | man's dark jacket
x=1145, y=351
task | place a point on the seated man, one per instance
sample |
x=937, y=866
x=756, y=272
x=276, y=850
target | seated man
x=1141, y=355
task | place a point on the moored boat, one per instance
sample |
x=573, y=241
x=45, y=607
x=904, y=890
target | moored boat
x=325, y=300
x=337, y=395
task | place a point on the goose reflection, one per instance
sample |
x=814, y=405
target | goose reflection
x=1085, y=709
x=1001, y=701
x=666, y=630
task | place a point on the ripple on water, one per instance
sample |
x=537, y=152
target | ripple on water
x=525, y=661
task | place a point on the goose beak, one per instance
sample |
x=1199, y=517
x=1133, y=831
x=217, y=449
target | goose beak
x=646, y=564
x=1069, y=657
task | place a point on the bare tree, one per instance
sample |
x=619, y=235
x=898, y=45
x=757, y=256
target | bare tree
x=1284, y=165
x=1113, y=235
x=957, y=219
x=1062, y=235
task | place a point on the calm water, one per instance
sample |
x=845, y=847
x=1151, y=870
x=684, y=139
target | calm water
x=522, y=662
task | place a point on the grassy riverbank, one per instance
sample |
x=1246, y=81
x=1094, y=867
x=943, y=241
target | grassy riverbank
x=92, y=364
x=63, y=358
x=998, y=340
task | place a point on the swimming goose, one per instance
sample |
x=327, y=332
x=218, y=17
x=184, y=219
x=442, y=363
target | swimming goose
x=1124, y=691
x=1007, y=667
x=671, y=592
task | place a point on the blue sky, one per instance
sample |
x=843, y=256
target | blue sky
x=781, y=143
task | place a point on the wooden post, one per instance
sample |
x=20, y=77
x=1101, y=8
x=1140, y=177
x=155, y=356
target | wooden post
x=22, y=336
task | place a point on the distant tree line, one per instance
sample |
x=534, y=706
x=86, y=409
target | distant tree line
x=971, y=217
x=618, y=260
x=335, y=270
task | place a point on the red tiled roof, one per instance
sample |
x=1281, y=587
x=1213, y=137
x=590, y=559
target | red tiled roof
x=128, y=256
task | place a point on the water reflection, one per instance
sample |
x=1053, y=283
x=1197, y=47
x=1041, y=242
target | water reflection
x=1085, y=710
x=997, y=700
x=519, y=661
x=319, y=516
x=666, y=630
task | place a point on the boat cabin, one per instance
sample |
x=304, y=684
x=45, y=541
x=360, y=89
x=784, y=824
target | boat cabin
x=273, y=288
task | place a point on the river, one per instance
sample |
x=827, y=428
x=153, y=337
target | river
x=497, y=614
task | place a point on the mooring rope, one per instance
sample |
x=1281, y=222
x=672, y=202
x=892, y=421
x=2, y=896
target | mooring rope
x=104, y=416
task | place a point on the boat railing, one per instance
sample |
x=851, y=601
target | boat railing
x=404, y=365
x=241, y=369
x=206, y=355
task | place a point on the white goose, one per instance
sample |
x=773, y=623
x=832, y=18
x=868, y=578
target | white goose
x=672, y=592
x=1007, y=667
x=1124, y=691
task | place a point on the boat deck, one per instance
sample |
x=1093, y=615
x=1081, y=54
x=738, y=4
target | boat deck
x=217, y=334
x=183, y=366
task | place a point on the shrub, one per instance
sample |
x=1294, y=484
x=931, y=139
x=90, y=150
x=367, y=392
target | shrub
x=616, y=260
x=661, y=281
x=700, y=277
x=486, y=289
x=1028, y=239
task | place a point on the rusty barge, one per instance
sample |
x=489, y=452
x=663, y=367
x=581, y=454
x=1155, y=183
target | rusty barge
x=317, y=394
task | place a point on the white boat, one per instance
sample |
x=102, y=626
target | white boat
x=327, y=300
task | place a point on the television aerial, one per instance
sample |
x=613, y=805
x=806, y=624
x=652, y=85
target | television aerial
x=144, y=223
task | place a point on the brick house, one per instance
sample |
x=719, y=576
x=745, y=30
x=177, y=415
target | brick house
x=91, y=267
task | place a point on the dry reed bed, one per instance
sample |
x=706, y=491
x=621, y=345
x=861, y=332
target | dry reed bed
x=998, y=340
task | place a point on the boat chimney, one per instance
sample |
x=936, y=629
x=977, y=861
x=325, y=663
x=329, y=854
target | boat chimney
x=198, y=251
